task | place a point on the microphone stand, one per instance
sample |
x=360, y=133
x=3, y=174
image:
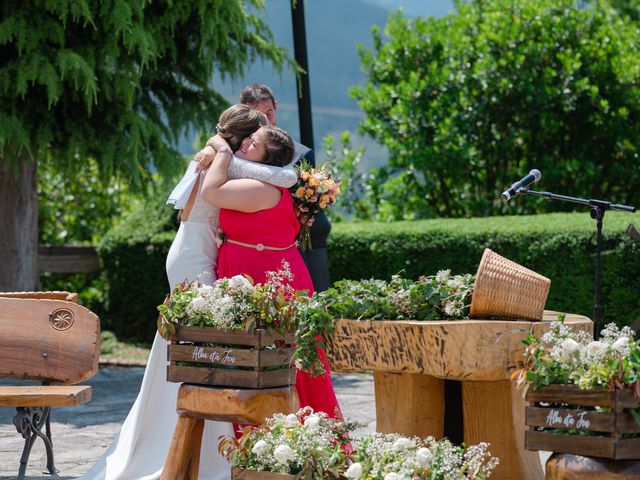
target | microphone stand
x=598, y=208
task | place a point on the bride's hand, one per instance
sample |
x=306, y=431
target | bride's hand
x=204, y=158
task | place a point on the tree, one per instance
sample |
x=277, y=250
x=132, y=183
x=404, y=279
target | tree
x=119, y=81
x=471, y=102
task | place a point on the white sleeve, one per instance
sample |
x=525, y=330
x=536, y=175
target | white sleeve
x=181, y=192
x=280, y=176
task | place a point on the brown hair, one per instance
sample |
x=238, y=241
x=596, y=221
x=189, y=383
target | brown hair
x=278, y=146
x=256, y=93
x=238, y=122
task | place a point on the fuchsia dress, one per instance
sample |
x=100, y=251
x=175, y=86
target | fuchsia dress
x=274, y=227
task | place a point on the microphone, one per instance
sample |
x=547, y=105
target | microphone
x=533, y=176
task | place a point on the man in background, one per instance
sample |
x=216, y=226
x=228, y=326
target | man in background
x=260, y=97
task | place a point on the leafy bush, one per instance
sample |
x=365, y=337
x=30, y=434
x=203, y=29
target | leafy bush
x=470, y=102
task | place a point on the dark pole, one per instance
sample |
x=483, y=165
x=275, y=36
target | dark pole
x=302, y=80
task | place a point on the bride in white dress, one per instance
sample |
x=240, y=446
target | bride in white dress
x=140, y=449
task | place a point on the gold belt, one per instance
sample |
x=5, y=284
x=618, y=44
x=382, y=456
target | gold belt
x=259, y=246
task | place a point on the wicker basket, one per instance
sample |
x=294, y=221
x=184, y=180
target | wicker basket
x=504, y=289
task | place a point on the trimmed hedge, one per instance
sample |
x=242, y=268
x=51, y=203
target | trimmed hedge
x=559, y=246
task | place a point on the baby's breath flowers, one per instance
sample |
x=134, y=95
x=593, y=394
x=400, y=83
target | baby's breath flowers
x=311, y=445
x=563, y=356
x=315, y=190
x=394, y=457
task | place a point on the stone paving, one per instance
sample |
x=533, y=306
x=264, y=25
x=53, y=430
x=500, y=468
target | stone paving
x=80, y=434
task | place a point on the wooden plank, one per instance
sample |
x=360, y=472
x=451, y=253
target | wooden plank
x=68, y=259
x=409, y=404
x=230, y=377
x=235, y=357
x=628, y=449
x=570, y=394
x=576, y=444
x=45, y=396
x=235, y=405
x=276, y=357
x=48, y=340
x=243, y=474
x=570, y=418
x=60, y=295
x=626, y=424
x=277, y=378
x=216, y=335
x=475, y=350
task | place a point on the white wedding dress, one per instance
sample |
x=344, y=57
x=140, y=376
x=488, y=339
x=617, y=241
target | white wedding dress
x=140, y=449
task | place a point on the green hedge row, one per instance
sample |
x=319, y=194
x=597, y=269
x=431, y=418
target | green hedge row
x=559, y=246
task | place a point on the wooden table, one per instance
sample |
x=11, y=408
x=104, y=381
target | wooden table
x=410, y=361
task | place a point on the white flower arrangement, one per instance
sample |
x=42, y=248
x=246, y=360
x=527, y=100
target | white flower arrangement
x=292, y=443
x=563, y=356
x=238, y=303
x=394, y=457
x=315, y=446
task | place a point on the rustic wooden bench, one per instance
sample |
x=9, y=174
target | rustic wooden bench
x=48, y=337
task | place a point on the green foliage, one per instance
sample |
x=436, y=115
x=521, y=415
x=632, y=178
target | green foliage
x=470, y=102
x=133, y=256
x=346, y=164
x=560, y=246
x=441, y=296
x=80, y=209
x=121, y=80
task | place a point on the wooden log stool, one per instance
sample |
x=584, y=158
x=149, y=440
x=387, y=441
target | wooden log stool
x=565, y=466
x=197, y=403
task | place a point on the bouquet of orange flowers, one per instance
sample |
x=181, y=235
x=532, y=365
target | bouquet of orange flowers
x=314, y=190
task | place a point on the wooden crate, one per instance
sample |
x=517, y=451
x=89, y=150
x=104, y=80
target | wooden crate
x=566, y=407
x=230, y=358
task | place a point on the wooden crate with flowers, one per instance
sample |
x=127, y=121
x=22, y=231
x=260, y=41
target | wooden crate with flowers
x=237, y=334
x=583, y=394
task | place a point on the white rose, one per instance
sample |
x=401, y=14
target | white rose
x=402, y=444
x=240, y=282
x=354, y=471
x=596, y=347
x=291, y=420
x=423, y=456
x=283, y=454
x=621, y=344
x=260, y=448
x=392, y=476
x=198, y=305
x=312, y=421
x=569, y=346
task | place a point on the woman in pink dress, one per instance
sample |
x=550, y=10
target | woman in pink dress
x=260, y=229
